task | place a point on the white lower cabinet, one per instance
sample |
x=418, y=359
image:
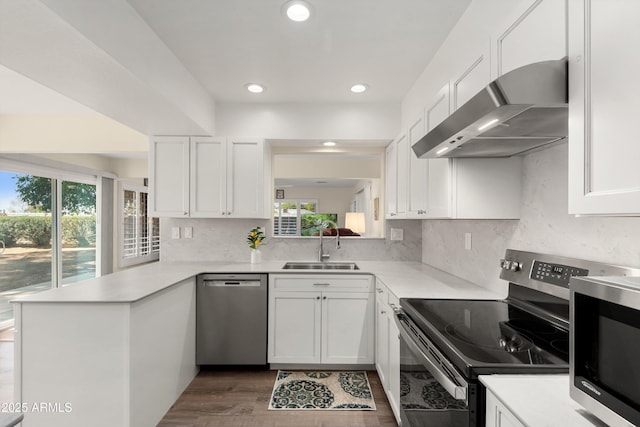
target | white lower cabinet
x=321, y=318
x=388, y=346
x=498, y=415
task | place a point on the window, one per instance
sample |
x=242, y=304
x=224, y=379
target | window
x=48, y=230
x=139, y=233
x=287, y=216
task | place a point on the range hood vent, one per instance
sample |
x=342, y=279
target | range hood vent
x=522, y=110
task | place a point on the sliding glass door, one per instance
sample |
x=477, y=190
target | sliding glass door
x=47, y=234
x=78, y=222
x=26, y=225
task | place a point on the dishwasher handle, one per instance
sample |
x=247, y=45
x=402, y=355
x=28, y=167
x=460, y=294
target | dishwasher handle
x=230, y=283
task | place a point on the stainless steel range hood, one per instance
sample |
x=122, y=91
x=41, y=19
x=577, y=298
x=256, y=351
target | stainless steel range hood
x=521, y=110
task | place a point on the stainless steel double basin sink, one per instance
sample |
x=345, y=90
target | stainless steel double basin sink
x=320, y=266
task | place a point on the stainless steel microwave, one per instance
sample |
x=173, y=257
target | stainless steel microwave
x=605, y=347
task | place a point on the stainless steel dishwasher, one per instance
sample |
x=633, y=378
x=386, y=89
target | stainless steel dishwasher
x=231, y=319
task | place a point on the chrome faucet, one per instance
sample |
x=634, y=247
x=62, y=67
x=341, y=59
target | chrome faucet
x=322, y=255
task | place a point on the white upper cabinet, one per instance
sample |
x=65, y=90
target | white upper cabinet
x=208, y=177
x=474, y=75
x=604, y=101
x=438, y=176
x=402, y=159
x=536, y=32
x=391, y=180
x=205, y=177
x=248, y=189
x=417, y=201
x=169, y=176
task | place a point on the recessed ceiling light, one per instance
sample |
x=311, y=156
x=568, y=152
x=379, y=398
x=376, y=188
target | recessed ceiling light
x=254, y=88
x=359, y=88
x=329, y=144
x=297, y=10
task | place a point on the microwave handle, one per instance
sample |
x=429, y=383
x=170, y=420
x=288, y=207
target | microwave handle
x=456, y=391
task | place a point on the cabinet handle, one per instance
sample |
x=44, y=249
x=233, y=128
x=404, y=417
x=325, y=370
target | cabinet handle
x=379, y=290
x=317, y=298
x=228, y=213
x=322, y=284
x=224, y=213
x=383, y=312
x=324, y=297
x=184, y=213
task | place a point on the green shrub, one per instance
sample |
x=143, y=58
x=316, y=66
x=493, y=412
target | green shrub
x=79, y=231
x=7, y=230
x=36, y=229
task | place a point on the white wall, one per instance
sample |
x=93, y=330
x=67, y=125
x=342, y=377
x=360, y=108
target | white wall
x=309, y=121
x=64, y=133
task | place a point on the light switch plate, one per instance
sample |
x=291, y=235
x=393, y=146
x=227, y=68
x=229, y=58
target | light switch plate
x=175, y=232
x=467, y=241
x=397, y=234
x=188, y=232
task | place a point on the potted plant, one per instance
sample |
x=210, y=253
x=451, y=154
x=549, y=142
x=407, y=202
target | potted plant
x=255, y=237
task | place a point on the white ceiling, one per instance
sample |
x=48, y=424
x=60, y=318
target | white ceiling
x=101, y=56
x=227, y=43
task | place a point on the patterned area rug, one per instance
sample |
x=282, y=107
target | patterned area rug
x=322, y=390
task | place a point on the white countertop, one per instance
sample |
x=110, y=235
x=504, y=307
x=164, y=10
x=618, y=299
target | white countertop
x=404, y=279
x=540, y=400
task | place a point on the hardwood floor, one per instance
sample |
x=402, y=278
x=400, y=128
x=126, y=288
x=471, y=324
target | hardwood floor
x=239, y=398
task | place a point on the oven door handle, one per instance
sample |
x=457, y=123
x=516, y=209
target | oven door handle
x=458, y=392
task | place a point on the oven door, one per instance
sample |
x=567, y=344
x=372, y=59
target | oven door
x=432, y=392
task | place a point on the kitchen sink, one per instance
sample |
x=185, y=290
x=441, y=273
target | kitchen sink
x=321, y=266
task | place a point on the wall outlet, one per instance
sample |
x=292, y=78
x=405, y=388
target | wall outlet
x=397, y=234
x=467, y=241
x=175, y=232
x=188, y=232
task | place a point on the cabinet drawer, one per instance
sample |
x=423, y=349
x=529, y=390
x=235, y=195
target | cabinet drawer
x=321, y=282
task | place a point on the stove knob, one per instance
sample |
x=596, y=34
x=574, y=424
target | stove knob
x=515, y=266
x=504, y=264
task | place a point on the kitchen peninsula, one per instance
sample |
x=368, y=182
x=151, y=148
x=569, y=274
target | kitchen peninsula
x=120, y=349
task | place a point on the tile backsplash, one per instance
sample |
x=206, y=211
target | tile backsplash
x=544, y=226
x=225, y=240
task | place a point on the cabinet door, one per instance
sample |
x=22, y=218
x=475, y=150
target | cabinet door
x=394, y=366
x=382, y=342
x=417, y=203
x=402, y=174
x=245, y=178
x=537, y=32
x=391, y=176
x=169, y=176
x=438, y=170
x=294, y=327
x=604, y=101
x=347, y=327
x=208, y=177
x=474, y=76
x=498, y=415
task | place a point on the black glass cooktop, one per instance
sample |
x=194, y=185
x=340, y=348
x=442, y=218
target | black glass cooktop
x=491, y=336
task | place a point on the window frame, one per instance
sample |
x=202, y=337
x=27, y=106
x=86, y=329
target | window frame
x=138, y=259
x=299, y=203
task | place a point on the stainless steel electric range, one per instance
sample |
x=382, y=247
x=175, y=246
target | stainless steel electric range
x=446, y=344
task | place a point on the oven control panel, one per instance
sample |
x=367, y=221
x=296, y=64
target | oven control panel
x=556, y=274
